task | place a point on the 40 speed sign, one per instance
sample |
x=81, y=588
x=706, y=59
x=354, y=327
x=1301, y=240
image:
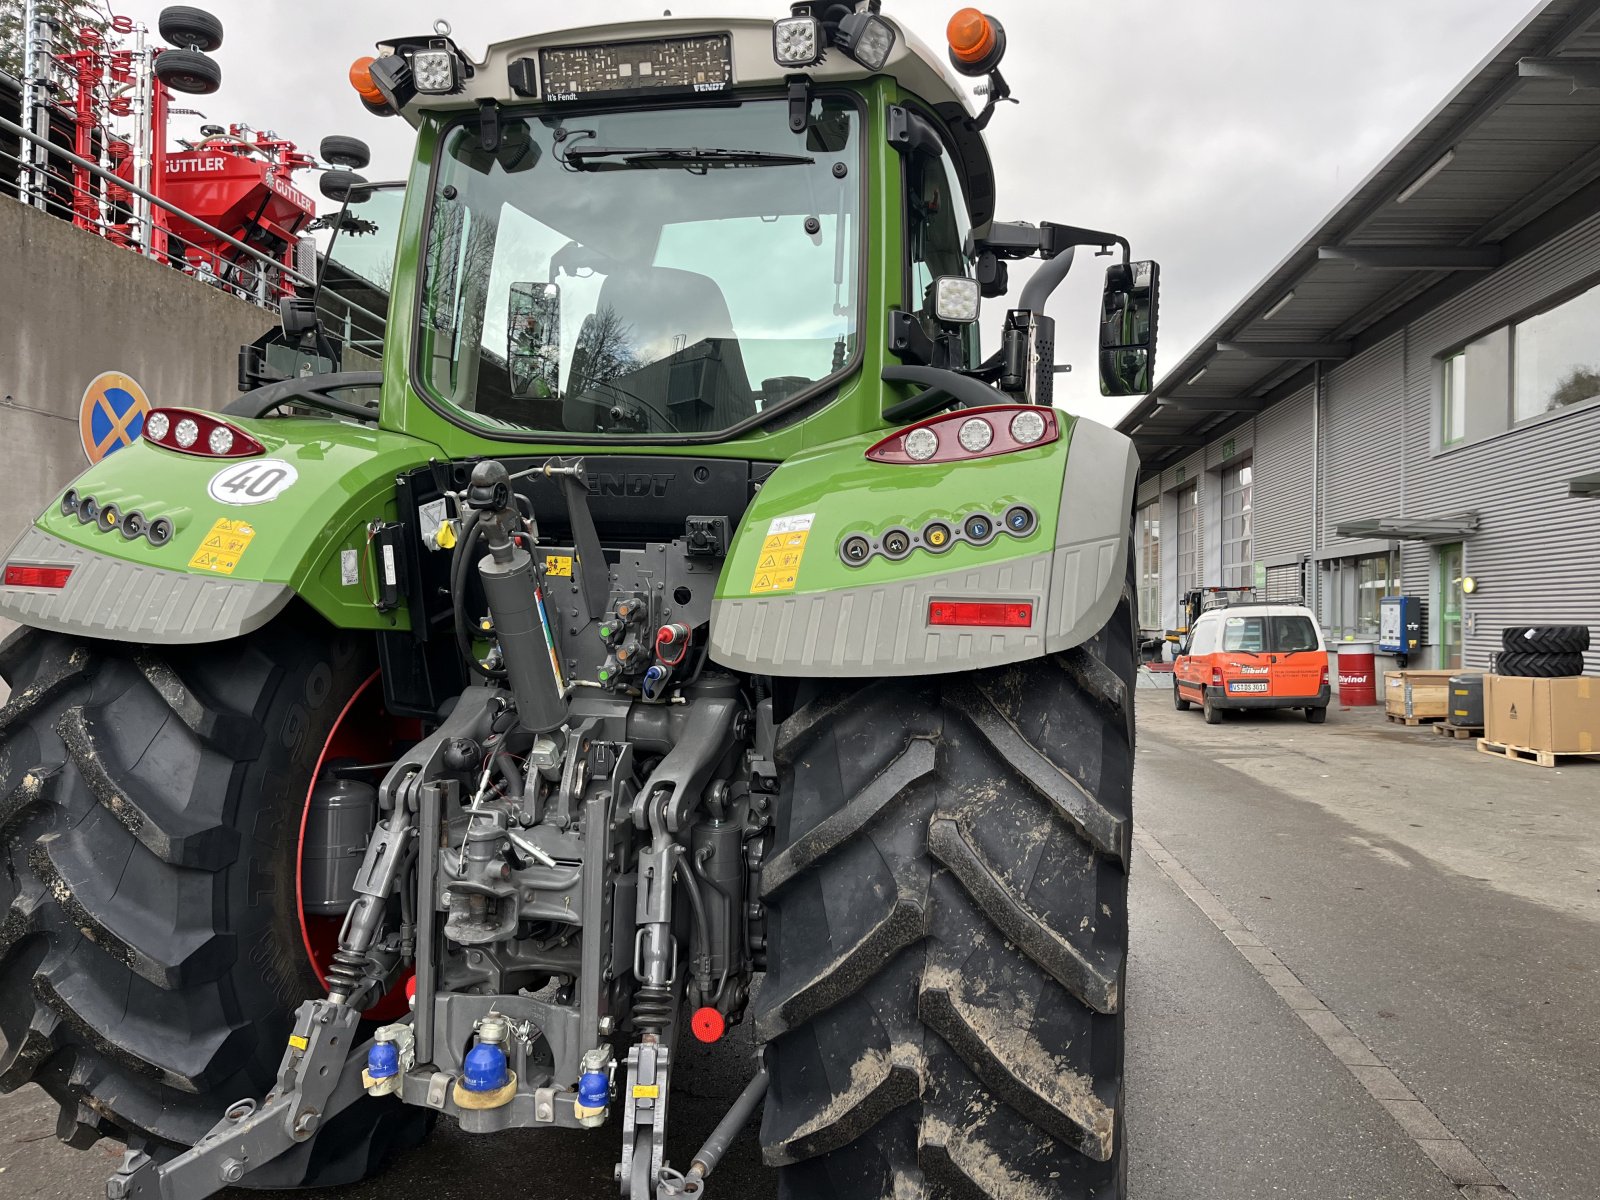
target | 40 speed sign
x=252, y=482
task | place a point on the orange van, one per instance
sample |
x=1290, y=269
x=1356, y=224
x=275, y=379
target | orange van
x=1253, y=656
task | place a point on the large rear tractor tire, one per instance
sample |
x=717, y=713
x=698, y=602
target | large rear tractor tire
x=947, y=907
x=151, y=949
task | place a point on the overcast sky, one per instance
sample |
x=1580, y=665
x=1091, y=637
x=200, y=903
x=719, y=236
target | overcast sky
x=1213, y=135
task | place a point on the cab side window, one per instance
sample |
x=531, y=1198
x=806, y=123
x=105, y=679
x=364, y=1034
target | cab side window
x=1205, y=634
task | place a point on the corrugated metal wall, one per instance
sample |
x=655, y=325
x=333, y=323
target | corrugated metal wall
x=1282, y=501
x=1362, y=450
x=1536, y=556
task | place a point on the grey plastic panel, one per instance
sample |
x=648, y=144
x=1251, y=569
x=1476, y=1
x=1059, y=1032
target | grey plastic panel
x=883, y=630
x=127, y=602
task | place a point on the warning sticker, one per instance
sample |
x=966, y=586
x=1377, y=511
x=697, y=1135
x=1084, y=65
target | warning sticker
x=223, y=546
x=778, y=565
x=558, y=565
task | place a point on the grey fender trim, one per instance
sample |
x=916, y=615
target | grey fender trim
x=881, y=629
x=122, y=601
x=1096, y=505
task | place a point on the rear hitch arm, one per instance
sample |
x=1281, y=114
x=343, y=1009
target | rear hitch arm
x=318, y=1078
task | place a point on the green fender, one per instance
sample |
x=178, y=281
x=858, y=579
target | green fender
x=245, y=541
x=789, y=602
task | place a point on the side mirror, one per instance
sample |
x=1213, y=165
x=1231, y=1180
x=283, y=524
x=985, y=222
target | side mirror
x=1128, y=319
x=533, y=340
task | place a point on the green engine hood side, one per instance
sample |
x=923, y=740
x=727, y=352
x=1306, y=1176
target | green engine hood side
x=789, y=604
x=844, y=493
x=345, y=479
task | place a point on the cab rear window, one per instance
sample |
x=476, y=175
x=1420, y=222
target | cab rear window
x=1271, y=635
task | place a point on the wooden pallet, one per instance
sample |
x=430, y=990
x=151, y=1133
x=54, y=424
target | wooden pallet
x=1459, y=732
x=1402, y=720
x=1543, y=758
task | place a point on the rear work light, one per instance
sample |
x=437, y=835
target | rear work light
x=970, y=433
x=26, y=575
x=1003, y=614
x=190, y=432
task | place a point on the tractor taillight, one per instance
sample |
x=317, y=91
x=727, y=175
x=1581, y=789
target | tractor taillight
x=1002, y=614
x=30, y=576
x=968, y=434
x=191, y=432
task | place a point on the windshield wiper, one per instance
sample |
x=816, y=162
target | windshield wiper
x=634, y=158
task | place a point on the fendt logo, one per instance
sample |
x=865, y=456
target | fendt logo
x=635, y=485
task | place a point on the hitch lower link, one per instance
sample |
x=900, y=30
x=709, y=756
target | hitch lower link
x=318, y=1078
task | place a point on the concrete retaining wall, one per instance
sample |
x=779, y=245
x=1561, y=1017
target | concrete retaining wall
x=73, y=306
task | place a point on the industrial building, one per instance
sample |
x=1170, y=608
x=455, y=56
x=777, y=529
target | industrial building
x=1410, y=402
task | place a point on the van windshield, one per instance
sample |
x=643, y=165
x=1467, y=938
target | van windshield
x=1269, y=635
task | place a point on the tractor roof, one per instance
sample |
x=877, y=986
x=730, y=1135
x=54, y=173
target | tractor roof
x=912, y=64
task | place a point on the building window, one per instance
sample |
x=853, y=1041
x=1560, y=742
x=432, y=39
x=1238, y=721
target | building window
x=1557, y=357
x=1149, y=567
x=1238, y=568
x=1475, y=389
x=1189, y=564
x=1373, y=582
x=1449, y=567
x=1453, y=426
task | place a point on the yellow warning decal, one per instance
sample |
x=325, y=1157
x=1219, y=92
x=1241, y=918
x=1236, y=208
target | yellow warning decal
x=778, y=564
x=298, y=1042
x=558, y=565
x=646, y=1091
x=223, y=546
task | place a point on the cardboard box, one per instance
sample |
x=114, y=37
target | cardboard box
x=1417, y=694
x=1558, y=715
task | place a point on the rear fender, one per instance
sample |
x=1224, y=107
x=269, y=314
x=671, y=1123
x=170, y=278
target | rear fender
x=789, y=603
x=235, y=559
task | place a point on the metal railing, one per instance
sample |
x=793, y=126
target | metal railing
x=362, y=328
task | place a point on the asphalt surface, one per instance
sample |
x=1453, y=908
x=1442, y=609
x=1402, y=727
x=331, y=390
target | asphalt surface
x=1445, y=906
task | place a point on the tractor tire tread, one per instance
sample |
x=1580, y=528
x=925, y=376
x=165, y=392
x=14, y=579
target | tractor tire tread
x=1545, y=639
x=1538, y=665
x=947, y=933
x=147, y=967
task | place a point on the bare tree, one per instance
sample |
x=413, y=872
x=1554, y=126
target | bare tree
x=606, y=350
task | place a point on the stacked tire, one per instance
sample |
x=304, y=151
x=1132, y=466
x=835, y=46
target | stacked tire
x=1542, y=651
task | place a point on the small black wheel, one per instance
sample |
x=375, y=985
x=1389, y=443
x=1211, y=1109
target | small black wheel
x=1178, y=702
x=188, y=71
x=1213, y=714
x=1317, y=716
x=345, y=151
x=338, y=186
x=190, y=28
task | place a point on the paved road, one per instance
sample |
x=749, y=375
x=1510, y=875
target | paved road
x=1436, y=912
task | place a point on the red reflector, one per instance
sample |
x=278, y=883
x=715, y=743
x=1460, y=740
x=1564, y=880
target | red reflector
x=37, y=577
x=708, y=1024
x=990, y=615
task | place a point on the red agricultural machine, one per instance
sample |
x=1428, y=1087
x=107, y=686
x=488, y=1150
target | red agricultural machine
x=108, y=101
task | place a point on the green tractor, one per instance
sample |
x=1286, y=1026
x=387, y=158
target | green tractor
x=686, y=624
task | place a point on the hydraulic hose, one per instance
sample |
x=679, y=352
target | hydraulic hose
x=702, y=927
x=460, y=564
x=510, y=771
x=727, y=959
